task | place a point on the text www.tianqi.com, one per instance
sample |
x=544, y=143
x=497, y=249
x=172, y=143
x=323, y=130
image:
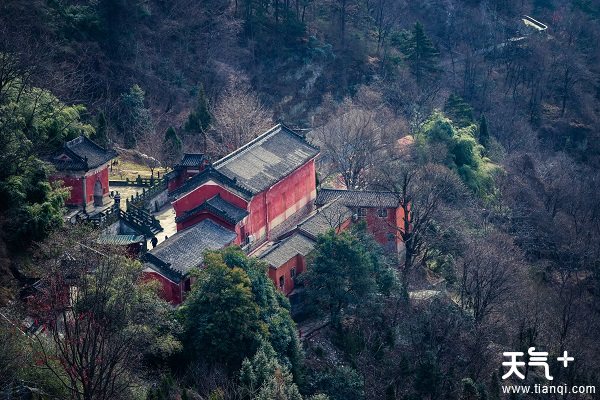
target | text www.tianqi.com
x=548, y=389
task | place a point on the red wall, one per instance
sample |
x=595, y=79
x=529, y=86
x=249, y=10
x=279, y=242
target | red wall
x=171, y=291
x=76, y=189
x=183, y=176
x=76, y=186
x=382, y=227
x=271, y=207
x=90, y=181
x=203, y=193
x=290, y=194
x=201, y=216
x=285, y=270
x=266, y=209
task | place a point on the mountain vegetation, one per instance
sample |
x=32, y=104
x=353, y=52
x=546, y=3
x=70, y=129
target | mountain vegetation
x=485, y=128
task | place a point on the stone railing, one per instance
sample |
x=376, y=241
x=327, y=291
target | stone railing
x=141, y=199
x=142, y=220
x=139, y=181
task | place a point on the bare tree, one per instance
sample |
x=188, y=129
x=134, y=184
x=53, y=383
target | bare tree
x=239, y=117
x=424, y=195
x=487, y=272
x=352, y=142
x=97, y=322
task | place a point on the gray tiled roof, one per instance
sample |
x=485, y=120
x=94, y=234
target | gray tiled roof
x=218, y=206
x=323, y=219
x=267, y=159
x=83, y=154
x=211, y=174
x=287, y=249
x=191, y=160
x=358, y=198
x=185, y=249
x=120, y=240
x=234, y=212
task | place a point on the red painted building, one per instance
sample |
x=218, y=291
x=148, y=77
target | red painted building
x=171, y=261
x=83, y=167
x=252, y=190
x=287, y=257
x=249, y=198
x=191, y=164
x=238, y=199
x=338, y=210
x=380, y=210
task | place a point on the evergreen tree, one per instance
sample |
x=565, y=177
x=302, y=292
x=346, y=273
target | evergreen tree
x=263, y=377
x=172, y=147
x=459, y=111
x=101, y=135
x=135, y=119
x=199, y=119
x=33, y=124
x=274, y=306
x=256, y=312
x=484, y=134
x=344, y=274
x=221, y=320
x=421, y=54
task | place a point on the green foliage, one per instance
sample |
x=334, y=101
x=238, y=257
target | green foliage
x=262, y=377
x=160, y=327
x=35, y=121
x=255, y=313
x=33, y=206
x=339, y=383
x=484, y=134
x=459, y=111
x=420, y=52
x=344, y=275
x=77, y=20
x=100, y=136
x=135, y=119
x=172, y=147
x=274, y=308
x=221, y=319
x=34, y=124
x=460, y=152
x=463, y=152
x=199, y=119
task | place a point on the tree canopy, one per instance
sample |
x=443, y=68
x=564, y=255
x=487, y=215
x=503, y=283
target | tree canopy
x=256, y=312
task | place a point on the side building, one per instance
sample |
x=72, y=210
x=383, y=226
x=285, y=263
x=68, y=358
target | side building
x=337, y=210
x=171, y=261
x=83, y=167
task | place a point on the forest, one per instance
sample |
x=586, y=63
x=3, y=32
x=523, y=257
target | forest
x=486, y=125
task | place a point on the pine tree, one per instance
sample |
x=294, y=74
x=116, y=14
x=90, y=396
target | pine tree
x=199, y=119
x=135, y=119
x=421, y=54
x=172, y=147
x=459, y=111
x=264, y=378
x=101, y=135
x=484, y=134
